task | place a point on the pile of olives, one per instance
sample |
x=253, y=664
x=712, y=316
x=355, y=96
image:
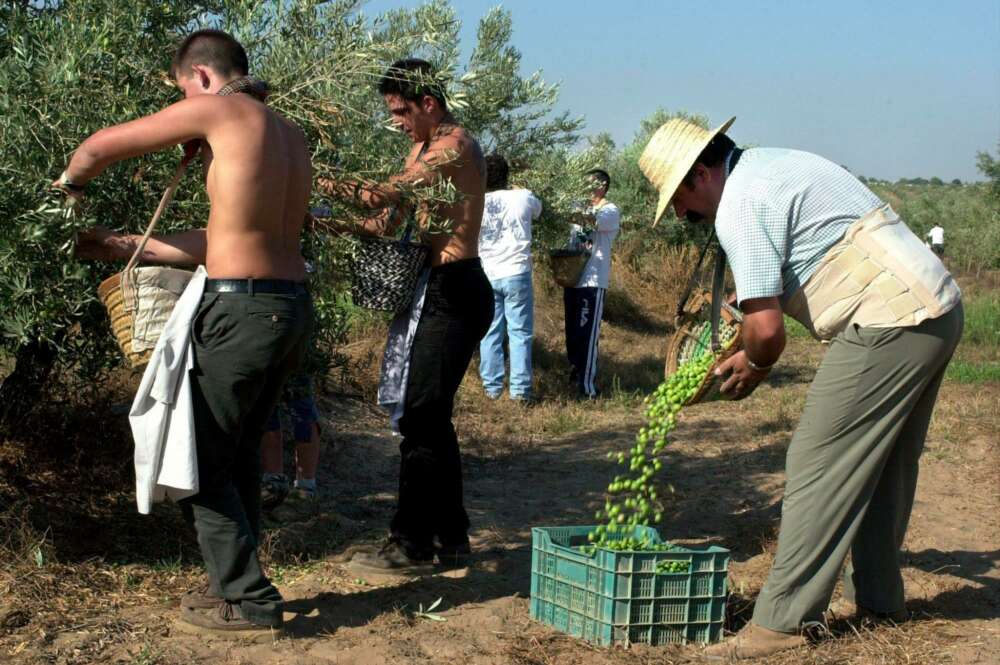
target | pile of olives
x=672, y=566
x=633, y=499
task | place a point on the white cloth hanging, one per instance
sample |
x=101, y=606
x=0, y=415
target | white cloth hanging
x=162, y=417
x=396, y=358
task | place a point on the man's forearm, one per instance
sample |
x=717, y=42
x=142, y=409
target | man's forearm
x=91, y=158
x=382, y=224
x=763, y=347
x=364, y=195
x=187, y=248
x=763, y=332
x=84, y=165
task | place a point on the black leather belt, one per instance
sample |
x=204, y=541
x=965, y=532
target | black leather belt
x=252, y=286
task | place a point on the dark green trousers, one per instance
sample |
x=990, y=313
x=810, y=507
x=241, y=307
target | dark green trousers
x=245, y=348
x=852, y=470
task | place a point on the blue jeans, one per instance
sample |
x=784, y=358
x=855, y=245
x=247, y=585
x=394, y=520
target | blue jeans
x=513, y=314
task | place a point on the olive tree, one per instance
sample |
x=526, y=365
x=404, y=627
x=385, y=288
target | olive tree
x=68, y=68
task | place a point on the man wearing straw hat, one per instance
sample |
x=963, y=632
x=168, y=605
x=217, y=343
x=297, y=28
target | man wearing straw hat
x=250, y=330
x=805, y=238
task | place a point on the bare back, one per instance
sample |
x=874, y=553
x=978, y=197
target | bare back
x=457, y=156
x=258, y=174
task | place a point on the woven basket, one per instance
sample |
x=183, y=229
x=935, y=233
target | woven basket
x=385, y=272
x=568, y=265
x=694, y=339
x=141, y=307
x=139, y=300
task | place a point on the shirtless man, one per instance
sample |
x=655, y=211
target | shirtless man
x=430, y=517
x=255, y=316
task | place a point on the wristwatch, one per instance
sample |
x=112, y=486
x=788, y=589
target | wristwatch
x=758, y=368
x=68, y=184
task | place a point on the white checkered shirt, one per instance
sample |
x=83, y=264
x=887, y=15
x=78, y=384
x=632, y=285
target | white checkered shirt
x=781, y=210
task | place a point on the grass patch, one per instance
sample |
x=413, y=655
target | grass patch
x=982, y=320
x=795, y=329
x=565, y=421
x=964, y=371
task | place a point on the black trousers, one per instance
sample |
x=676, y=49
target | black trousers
x=245, y=348
x=457, y=312
x=584, y=308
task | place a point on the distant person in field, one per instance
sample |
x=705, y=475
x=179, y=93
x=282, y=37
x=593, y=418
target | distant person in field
x=936, y=237
x=430, y=519
x=584, y=304
x=805, y=238
x=505, y=250
x=250, y=331
x=299, y=402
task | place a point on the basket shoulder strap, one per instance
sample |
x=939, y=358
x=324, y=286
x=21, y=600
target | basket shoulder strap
x=718, y=287
x=168, y=195
x=693, y=280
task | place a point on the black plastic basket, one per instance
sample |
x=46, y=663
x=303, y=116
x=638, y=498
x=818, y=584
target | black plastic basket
x=568, y=265
x=385, y=272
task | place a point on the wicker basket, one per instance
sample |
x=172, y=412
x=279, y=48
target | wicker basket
x=385, y=272
x=694, y=339
x=139, y=304
x=139, y=300
x=568, y=265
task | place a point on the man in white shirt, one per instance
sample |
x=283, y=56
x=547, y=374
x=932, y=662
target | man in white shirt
x=584, y=304
x=936, y=236
x=505, y=250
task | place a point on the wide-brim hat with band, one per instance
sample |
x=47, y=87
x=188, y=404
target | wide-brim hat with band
x=671, y=153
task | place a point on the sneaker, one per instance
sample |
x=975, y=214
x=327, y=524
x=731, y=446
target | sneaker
x=226, y=620
x=391, y=559
x=201, y=598
x=752, y=641
x=306, y=494
x=524, y=400
x=301, y=504
x=493, y=396
x=273, y=490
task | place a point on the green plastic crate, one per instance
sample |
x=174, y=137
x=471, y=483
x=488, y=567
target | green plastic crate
x=618, y=597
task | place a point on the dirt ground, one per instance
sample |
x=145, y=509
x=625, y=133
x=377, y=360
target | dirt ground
x=530, y=467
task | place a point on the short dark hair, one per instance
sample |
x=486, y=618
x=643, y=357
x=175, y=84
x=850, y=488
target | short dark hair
x=213, y=48
x=412, y=79
x=601, y=176
x=497, y=172
x=714, y=154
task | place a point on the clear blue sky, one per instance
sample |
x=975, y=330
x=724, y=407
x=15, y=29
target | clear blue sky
x=890, y=88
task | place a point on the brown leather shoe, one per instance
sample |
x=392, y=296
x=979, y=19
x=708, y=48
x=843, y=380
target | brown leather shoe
x=201, y=598
x=847, y=610
x=227, y=622
x=752, y=641
x=391, y=559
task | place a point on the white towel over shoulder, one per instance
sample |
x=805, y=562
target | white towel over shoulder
x=162, y=418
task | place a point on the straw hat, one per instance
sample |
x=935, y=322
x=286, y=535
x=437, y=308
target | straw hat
x=671, y=153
